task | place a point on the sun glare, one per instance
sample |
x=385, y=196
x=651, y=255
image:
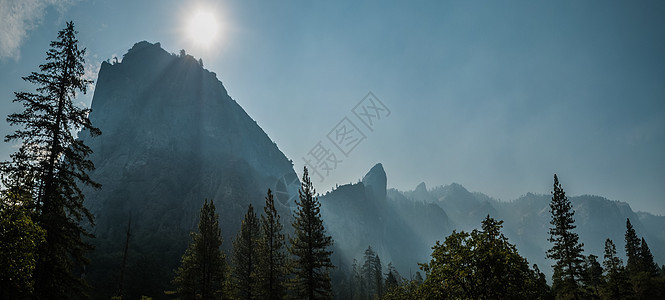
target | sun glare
x=202, y=28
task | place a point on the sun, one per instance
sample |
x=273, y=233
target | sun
x=202, y=28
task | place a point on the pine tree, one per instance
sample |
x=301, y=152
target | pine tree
x=371, y=274
x=378, y=276
x=203, y=267
x=272, y=258
x=593, y=276
x=541, y=290
x=56, y=162
x=646, y=263
x=245, y=257
x=616, y=284
x=642, y=271
x=567, y=251
x=309, y=246
x=632, y=249
x=391, y=278
x=356, y=281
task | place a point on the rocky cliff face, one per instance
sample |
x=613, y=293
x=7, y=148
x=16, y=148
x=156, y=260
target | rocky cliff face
x=365, y=214
x=173, y=137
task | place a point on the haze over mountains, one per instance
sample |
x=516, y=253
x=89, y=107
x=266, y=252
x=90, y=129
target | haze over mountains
x=173, y=137
x=402, y=226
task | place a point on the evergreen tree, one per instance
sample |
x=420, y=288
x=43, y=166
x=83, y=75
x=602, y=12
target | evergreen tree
x=378, y=276
x=356, y=281
x=309, y=246
x=646, y=282
x=392, y=278
x=616, y=283
x=202, y=271
x=632, y=249
x=272, y=258
x=245, y=257
x=541, y=289
x=642, y=271
x=592, y=277
x=646, y=263
x=56, y=162
x=567, y=251
x=371, y=274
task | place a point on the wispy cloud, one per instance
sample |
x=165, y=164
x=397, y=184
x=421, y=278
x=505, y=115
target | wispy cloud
x=19, y=17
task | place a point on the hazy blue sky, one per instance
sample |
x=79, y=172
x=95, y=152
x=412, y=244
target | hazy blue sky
x=494, y=95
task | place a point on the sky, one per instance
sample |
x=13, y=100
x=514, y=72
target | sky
x=494, y=95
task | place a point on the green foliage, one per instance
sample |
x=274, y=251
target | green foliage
x=272, y=266
x=203, y=266
x=245, y=258
x=21, y=238
x=566, y=250
x=55, y=162
x=408, y=290
x=309, y=247
x=480, y=265
x=616, y=285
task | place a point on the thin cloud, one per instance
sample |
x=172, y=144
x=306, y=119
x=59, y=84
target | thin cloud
x=19, y=17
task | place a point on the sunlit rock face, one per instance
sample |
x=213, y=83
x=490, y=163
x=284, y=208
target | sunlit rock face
x=173, y=137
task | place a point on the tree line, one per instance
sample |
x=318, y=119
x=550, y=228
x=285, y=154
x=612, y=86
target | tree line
x=262, y=266
x=484, y=265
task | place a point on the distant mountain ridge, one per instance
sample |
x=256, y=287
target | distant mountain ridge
x=404, y=226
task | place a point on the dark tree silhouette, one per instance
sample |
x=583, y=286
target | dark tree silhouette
x=202, y=271
x=309, y=247
x=617, y=285
x=245, y=257
x=567, y=250
x=632, y=248
x=272, y=267
x=56, y=162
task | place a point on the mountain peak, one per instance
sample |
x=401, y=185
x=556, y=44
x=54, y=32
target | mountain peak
x=172, y=138
x=375, y=182
x=421, y=188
